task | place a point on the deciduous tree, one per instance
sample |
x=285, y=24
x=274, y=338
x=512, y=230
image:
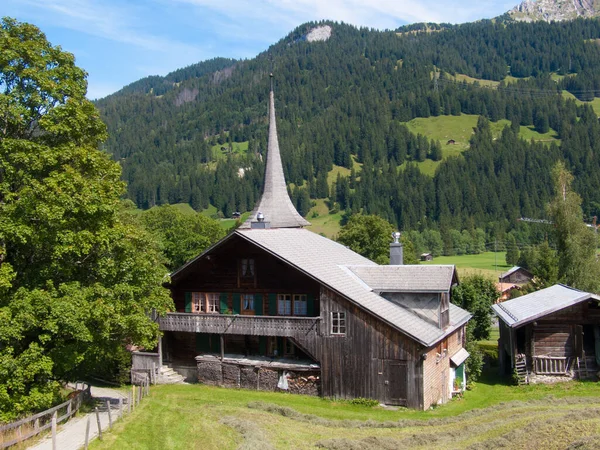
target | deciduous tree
x=76, y=280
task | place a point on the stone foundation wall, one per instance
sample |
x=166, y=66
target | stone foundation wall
x=216, y=373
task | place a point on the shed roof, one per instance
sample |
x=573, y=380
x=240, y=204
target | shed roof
x=329, y=263
x=525, y=309
x=513, y=270
x=407, y=278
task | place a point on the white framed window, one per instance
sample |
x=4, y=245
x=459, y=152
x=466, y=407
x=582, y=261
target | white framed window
x=338, y=323
x=198, y=305
x=212, y=302
x=300, y=305
x=284, y=304
x=248, y=302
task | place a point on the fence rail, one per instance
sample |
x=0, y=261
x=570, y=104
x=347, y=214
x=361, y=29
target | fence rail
x=20, y=430
x=551, y=365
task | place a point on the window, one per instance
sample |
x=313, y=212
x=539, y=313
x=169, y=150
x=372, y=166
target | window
x=284, y=304
x=248, y=302
x=212, y=303
x=247, y=268
x=289, y=349
x=197, y=302
x=300, y=305
x=205, y=302
x=338, y=323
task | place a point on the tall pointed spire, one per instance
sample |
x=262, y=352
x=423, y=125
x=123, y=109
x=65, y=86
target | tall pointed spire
x=275, y=204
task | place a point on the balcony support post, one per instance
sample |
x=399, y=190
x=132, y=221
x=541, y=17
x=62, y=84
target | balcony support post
x=222, y=347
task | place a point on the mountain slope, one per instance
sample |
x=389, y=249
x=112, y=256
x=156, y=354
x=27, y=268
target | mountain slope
x=347, y=98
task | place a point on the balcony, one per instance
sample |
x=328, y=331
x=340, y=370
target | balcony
x=295, y=327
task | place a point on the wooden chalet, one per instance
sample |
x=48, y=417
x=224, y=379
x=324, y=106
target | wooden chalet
x=554, y=331
x=275, y=306
x=516, y=275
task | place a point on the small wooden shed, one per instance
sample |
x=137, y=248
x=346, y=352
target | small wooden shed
x=426, y=257
x=554, y=331
x=516, y=275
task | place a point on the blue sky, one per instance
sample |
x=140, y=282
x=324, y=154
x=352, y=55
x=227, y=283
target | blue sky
x=118, y=42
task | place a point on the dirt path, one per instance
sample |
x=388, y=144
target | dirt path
x=71, y=435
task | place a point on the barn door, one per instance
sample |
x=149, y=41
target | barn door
x=395, y=382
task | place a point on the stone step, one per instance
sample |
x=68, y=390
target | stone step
x=169, y=376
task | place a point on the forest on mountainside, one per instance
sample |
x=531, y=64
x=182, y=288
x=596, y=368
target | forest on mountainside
x=345, y=102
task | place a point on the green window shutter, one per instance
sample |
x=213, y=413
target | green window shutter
x=188, y=302
x=310, y=305
x=272, y=304
x=236, y=303
x=258, y=304
x=223, y=301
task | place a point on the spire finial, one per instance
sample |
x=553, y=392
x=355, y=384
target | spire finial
x=271, y=72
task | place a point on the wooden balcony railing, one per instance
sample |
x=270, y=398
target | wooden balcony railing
x=550, y=365
x=235, y=324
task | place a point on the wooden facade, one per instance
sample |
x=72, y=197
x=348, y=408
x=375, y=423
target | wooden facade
x=552, y=343
x=357, y=353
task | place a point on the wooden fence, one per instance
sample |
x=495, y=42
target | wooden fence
x=15, y=432
x=551, y=365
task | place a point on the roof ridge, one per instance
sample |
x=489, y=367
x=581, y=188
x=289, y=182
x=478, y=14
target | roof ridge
x=511, y=315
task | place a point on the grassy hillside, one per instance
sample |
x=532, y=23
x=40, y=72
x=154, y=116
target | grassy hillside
x=594, y=103
x=489, y=264
x=460, y=129
x=490, y=416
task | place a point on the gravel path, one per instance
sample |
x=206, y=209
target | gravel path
x=71, y=435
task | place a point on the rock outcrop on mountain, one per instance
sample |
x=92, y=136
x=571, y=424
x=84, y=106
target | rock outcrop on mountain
x=550, y=10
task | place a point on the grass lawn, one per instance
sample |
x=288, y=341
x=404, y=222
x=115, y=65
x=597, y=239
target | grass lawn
x=241, y=148
x=328, y=224
x=492, y=415
x=489, y=264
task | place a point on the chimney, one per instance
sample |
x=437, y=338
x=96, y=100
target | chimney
x=260, y=222
x=396, y=253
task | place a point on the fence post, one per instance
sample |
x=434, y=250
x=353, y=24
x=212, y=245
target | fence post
x=121, y=407
x=36, y=424
x=139, y=395
x=133, y=396
x=99, y=424
x=87, y=433
x=109, y=415
x=69, y=407
x=129, y=399
x=54, y=430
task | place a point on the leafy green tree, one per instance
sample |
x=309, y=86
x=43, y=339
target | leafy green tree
x=182, y=235
x=576, y=244
x=368, y=235
x=477, y=294
x=77, y=279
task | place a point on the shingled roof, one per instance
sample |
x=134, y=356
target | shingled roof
x=525, y=309
x=275, y=203
x=407, y=278
x=329, y=263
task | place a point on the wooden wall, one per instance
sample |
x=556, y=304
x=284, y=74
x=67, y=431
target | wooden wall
x=371, y=353
x=218, y=272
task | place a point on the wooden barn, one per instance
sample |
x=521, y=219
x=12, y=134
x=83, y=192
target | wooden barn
x=554, y=331
x=275, y=306
x=516, y=275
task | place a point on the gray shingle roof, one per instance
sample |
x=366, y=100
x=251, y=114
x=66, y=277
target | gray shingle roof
x=326, y=261
x=275, y=203
x=527, y=308
x=407, y=278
